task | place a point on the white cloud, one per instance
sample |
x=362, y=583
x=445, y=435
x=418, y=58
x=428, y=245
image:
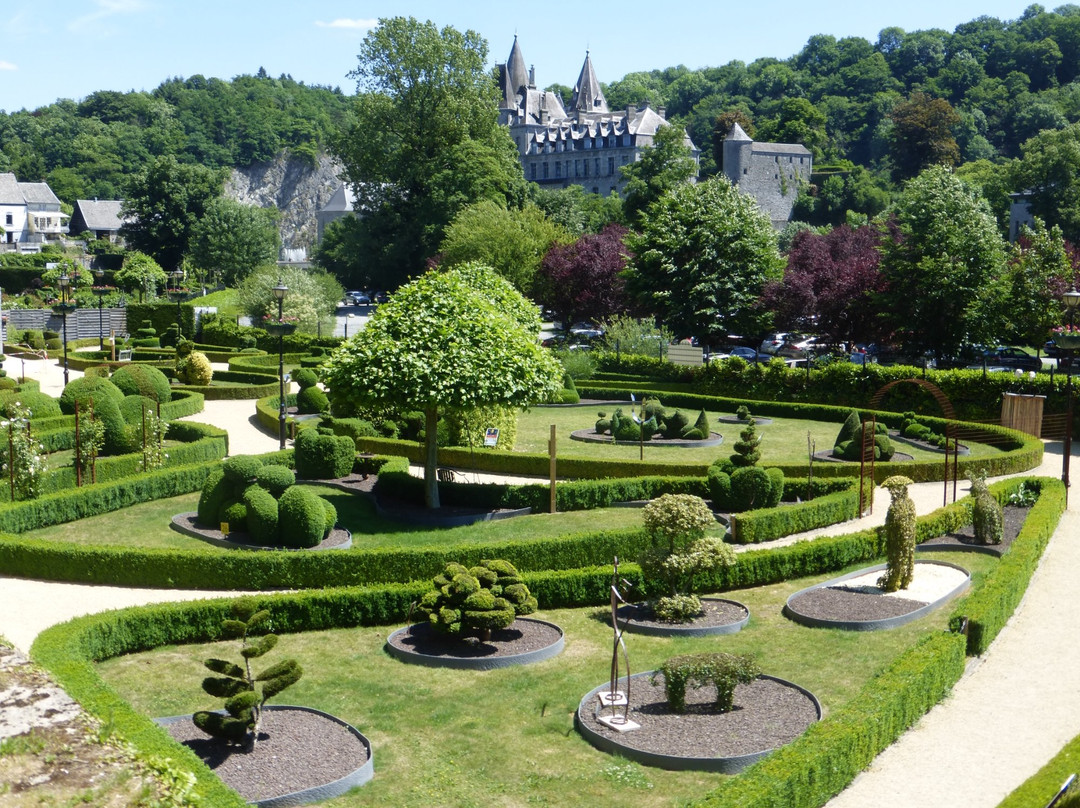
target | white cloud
x=344, y=22
x=7, y=65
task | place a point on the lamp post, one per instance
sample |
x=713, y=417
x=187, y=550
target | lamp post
x=177, y=275
x=64, y=280
x=1072, y=300
x=279, y=294
x=100, y=290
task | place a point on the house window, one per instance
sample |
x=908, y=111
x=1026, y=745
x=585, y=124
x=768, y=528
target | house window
x=10, y=221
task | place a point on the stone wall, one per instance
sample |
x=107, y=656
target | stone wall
x=296, y=188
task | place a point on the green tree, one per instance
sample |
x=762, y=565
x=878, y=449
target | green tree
x=576, y=210
x=141, y=273
x=940, y=263
x=311, y=295
x=703, y=256
x=922, y=134
x=512, y=242
x=662, y=167
x=232, y=239
x=459, y=338
x=1038, y=274
x=425, y=140
x=1050, y=169
x=163, y=204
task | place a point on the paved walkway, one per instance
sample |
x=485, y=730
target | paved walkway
x=1013, y=710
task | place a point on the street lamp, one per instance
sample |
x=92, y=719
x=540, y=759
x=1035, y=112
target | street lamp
x=279, y=294
x=177, y=276
x=99, y=290
x=64, y=280
x=1065, y=341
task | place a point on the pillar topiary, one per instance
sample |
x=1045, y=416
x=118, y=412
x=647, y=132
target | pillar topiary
x=899, y=535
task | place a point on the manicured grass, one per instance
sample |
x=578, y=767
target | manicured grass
x=506, y=737
x=227, y=302
x=783, y=441
x=147, y=525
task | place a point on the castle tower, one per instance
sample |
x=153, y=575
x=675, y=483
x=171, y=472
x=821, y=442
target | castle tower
x=738, y=149
x=588, y=97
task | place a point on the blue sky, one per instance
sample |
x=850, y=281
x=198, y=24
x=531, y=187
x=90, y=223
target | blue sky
x=70, y=48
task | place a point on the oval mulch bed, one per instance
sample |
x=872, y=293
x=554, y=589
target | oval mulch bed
x=734, y=419
x=302, y=756
x=964, y=538
x=853, y=602
x=189, y=525
x=827, y=456
x=768, y=713
x=719, y=616
x=525, y=641
x=591, y=436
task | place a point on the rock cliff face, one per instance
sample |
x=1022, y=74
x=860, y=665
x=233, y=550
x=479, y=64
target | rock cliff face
x=295, y=188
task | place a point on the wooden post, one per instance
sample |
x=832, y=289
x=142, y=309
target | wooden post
x=113, y=349
x=551, y=468
x=11, y=457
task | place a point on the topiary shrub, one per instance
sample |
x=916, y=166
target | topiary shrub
x=85, y=388
x=235, y=513
x=35, y=339
x=722, y=671
x=603, y=425
x=899, y=536
x=240, y=470
x=312, y=400
x=719, y=483
x=132, y=408
x=679, y=549
x=245, y=692
x=323, y=457
x=194, y=369
x=750, y=488
x=305, y=378
x=776, y=489
x=852, y=449
x=746, y=448
x=702, y=424
x=275, y=479
x=143, y=380
x=262, y=514
x=54, y=344
x=692, y=433
x=476, y=601
x=301, y=518
x=330, y=514
x=850, y=426
x=987, y=517
x=146, y=336
x=742, y=412
x=627, y=429
x=674, y=424
x=40, y=405
x=215, y=491
x=101, y=371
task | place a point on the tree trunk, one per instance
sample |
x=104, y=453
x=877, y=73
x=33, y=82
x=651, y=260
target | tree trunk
x=431, y=457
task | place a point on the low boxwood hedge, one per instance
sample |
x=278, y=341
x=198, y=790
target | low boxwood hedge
x=243, y=385
x=769, y=524
x=251, y=363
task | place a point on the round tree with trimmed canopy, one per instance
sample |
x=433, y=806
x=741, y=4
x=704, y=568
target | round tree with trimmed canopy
x=454, y=339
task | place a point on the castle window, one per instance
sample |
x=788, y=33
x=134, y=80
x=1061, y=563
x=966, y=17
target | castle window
x=532, y=171
x=586, y=167
x=745, y=170
x=595, y=189
x=577, y=168
x=558, y=170
x=610, y=166
x=792, y=159
x=545, y=171
x=597, y=166
x=625, y=159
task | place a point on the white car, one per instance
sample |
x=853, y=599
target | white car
x=773, y=342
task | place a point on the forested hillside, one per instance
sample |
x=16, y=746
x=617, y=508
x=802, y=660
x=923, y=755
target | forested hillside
x=873, y=113
x=89, y=149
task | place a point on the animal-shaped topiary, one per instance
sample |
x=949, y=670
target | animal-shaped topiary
x=899, y=536
x=245, y=692
x=986, y=514
x=475, y=601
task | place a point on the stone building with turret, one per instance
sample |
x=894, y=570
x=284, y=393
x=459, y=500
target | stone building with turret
x=584, y=145
x=772, y=173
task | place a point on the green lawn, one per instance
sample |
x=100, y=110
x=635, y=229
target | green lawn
x=506, y=737
x=147, y=525
x=782, y=441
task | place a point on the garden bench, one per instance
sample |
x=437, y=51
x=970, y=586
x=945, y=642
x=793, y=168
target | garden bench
x=123, y=355
x=445, y=475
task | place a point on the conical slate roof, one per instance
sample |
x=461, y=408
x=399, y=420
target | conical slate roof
x=737, y=133
x=515, y=68
x=588, y=97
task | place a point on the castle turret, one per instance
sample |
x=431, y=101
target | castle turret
x=588, y=97
x=738, y=150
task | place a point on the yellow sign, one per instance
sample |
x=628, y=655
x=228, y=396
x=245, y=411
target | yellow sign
x=224, y=528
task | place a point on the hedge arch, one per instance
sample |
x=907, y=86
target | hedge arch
x=940, y=397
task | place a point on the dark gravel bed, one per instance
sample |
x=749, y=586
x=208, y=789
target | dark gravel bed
x=836, y=603
x=827, y=456
x=964, y=538
x=296, y=750
x=767, y=714
x=189, y=523
x=521, y=637
x=591, y=436
x=715, y=612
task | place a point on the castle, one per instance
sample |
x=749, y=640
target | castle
x=770, y=172
x=586, y=145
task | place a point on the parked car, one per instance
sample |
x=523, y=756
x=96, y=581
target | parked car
x=773, y=342
x=798, y=347
x=749, y=354
x=1007, y=357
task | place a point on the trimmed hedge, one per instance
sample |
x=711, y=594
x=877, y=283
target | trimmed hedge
x=821, y=762
x=769, y=524
x=267, y=411
x=247, y=385
x=990, y=607
x=250, y=363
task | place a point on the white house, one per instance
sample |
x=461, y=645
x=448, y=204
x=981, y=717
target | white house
x=30, y=214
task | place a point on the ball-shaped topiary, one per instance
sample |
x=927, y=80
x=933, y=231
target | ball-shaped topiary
x=305, y=378
x=85, y=388
x=275, y=479
x=215, y=492
x=301, y=518
x=132, y=408
x=776, y=490
x=750, y=488
x=312, y=400
x=262, y=515
x=194, y=369
x=40, y=405
x=235, y=513
x=719, y=483
x=143, y=380
x=330, y=513
x=240, y=470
